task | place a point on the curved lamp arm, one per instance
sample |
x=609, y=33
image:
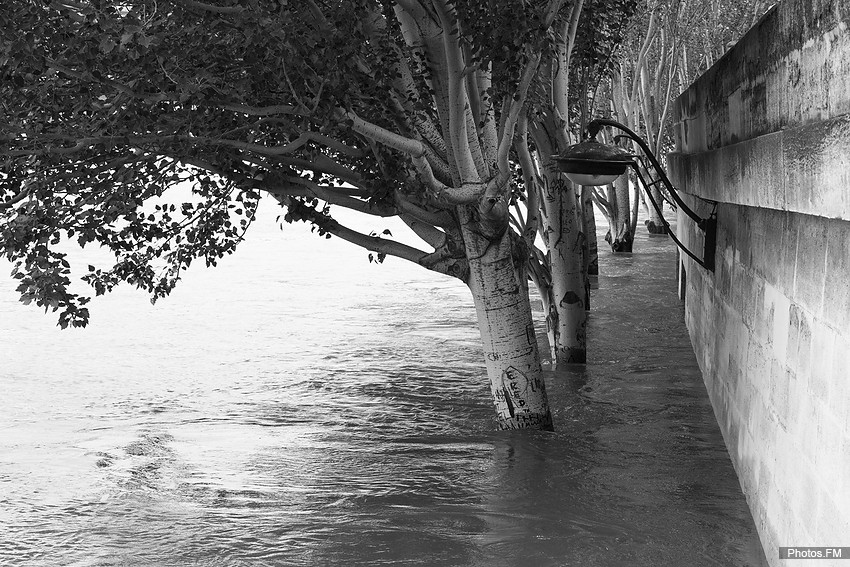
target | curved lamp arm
x=596, y=125
x=708, y=225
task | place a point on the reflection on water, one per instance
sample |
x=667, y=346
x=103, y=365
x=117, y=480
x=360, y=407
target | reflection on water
x=270, y=414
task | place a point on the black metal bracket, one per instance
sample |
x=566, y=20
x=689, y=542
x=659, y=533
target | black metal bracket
x=707, y=225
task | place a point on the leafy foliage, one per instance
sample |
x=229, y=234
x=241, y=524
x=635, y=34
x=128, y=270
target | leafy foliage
x=109, y=106
x=603, y=29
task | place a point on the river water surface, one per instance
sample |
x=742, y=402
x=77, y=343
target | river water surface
x=297, y=409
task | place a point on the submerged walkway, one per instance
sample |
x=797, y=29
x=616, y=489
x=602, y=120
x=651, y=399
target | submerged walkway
x=641, y=422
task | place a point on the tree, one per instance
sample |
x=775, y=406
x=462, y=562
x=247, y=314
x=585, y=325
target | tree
x=406, y=108
x=557, y=210
x=668, y=44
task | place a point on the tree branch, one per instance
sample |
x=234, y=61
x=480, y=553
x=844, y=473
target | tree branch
x=515, y=108
x=14, y=200
x=85, y=143
x=551, y=12
x=489, y=133
x=212, y=8
x=429, y=233
x=371, y=243
x=458, y=100
x=436, y=218
x=466, y=193
x=564, y=45
x=529, y=174
x=262, y=110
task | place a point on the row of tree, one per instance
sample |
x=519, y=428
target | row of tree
x=445, y=114
x=668, y=44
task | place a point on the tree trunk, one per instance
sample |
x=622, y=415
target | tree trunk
x=507, y=333
x=654, y=222
x=583, y=193
x=568, y=287
x=623, y=237
x=590, y=233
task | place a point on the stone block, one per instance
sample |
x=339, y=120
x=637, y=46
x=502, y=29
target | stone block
x=802, y=363
x=753, y=297
x=843, y=465
x=745, y=458
x=768, y=263
x=779, y=392
x=758, y=365
x=763, y=321
x=833, y=522
x=765, y=482
x=743, y=236
x=727, y=230
x=781, y=321
x=794, y=315
x=723, y=277
x=758, y=260
x=733, y=379
x=805, y=500
x=767, y=428
x=741, y=336
x=777, y=510
x=823, y=345
x=829, y=458
x=745, y=401
x=763, y=180
x=740, y=287
x=810, y=269
x=839, y=384
x=807, y=432
x=836, y=302
x=799, y=405
x=787, y=267
x=732, y=432
x=815, y=182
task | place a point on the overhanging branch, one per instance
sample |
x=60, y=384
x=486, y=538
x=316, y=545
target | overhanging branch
x=371, y=243
x=212, y=8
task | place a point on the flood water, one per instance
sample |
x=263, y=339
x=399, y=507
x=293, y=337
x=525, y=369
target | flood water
x=292, y=409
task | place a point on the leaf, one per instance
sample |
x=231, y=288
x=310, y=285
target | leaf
x=107, y=45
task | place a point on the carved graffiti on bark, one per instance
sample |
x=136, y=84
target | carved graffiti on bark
x=512, y=395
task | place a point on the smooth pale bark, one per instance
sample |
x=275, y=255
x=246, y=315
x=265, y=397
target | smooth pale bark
x=507, y=334
x=622, y=235
x=654, y=222
x=563, y=224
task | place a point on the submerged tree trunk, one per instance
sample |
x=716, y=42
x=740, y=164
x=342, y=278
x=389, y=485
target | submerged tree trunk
x=623, y=237
x=507, y=333
x=590, y=232
x=563, y=225
x=654, y=222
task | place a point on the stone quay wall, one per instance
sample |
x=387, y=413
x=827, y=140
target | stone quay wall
x=765, y=134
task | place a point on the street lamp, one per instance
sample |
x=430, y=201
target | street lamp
x=592, y=163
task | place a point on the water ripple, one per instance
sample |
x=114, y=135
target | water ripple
x=349, y=424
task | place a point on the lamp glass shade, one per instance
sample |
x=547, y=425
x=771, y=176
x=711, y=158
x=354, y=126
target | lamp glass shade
x=592, y=178
x=592, y=163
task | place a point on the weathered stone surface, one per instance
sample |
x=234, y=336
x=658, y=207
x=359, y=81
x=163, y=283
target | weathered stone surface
x=792, y=68
x=804, y=169
x=765, y=133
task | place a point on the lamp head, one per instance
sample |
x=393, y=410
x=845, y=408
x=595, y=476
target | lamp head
x=592, y=163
